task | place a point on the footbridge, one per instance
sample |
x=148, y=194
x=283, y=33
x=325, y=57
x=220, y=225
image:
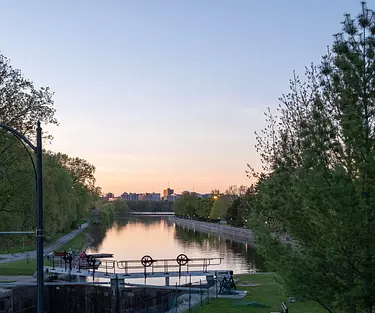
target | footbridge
x=145, y=268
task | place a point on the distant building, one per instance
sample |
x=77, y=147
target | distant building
x=108, y=197
x=168, y=192
x=141, y=196
x=149, y=196
x=125, y=196
x=130, y=196
x=169, y=198
x=155, y=196
x=133, y=196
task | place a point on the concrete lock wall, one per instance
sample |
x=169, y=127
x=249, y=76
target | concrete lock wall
x=20, y=299
x=242, y=235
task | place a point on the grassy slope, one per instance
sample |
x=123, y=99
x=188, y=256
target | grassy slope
x=22, y=267
x=269, y=293
x=48, y=240
x=76, y=243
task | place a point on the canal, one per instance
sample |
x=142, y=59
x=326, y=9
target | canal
x=133, y=238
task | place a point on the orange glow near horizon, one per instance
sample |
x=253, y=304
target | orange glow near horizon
x=119, y=183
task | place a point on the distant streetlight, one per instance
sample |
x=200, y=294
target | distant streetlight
x=39, y=204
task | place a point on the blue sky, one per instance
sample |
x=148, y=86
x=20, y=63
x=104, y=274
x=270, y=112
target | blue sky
x=153, y=92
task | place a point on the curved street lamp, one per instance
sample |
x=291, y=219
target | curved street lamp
x=39, y=204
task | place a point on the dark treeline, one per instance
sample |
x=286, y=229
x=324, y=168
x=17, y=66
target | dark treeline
x=150, y=206
x=106, y=212
x=69, y=183
x=229, y=206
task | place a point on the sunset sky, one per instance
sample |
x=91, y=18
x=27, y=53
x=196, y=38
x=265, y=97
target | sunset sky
x=162, y=91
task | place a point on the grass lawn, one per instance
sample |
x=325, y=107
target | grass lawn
x=20, y=267
x=27, y=247
x=76, y=243
x=47, y=240
x=269, y=293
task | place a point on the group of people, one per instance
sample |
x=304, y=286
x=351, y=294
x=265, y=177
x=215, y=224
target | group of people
x=82, y=254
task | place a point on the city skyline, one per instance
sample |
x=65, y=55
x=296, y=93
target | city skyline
x=162, y=193
x=166, y=91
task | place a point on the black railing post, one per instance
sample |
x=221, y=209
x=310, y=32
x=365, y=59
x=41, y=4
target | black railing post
x=190, y=295
x=200, y=289
x=208, y=294
x=216, y=279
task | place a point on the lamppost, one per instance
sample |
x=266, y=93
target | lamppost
x=39, y=205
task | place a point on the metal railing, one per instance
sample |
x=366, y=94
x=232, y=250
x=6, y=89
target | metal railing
x=146, y=267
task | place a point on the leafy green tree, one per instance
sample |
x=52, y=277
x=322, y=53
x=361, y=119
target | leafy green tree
x=186, y=205
x=82, y=171
x=69, y=183
x=238, y=212
x=315, y=199
x=21, y=104
x=121, y=207
x=220, y=207
x=204, y=207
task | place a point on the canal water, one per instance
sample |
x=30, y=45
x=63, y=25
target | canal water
x=133, y=238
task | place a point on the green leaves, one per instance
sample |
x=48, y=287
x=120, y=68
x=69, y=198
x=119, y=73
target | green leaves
x=65, y=200
x=21, y=104
x=319, y=184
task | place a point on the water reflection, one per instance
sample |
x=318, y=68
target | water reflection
x=130, y=239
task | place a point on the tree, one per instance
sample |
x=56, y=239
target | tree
x=204, y=207
x=68, y=183
x=186, y=205
x=237, y=213
x=82, y=171
x=220, y=207
x=317, y=184
x=121, y=207
x=21, y=104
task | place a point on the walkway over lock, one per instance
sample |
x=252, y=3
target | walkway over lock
x=145, y=268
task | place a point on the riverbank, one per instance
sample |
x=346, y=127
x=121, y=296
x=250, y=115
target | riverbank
x=242, y=235
x=265, y=295
x=25, y=265
x=59, y=244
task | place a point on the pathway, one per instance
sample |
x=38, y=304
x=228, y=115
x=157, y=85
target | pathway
x=19, y=278
x=4, y=258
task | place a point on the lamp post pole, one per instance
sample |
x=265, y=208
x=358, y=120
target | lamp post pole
x=39, y=205
x=39, y=231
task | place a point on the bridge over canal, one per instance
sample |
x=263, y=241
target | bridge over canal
x=147, y=267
